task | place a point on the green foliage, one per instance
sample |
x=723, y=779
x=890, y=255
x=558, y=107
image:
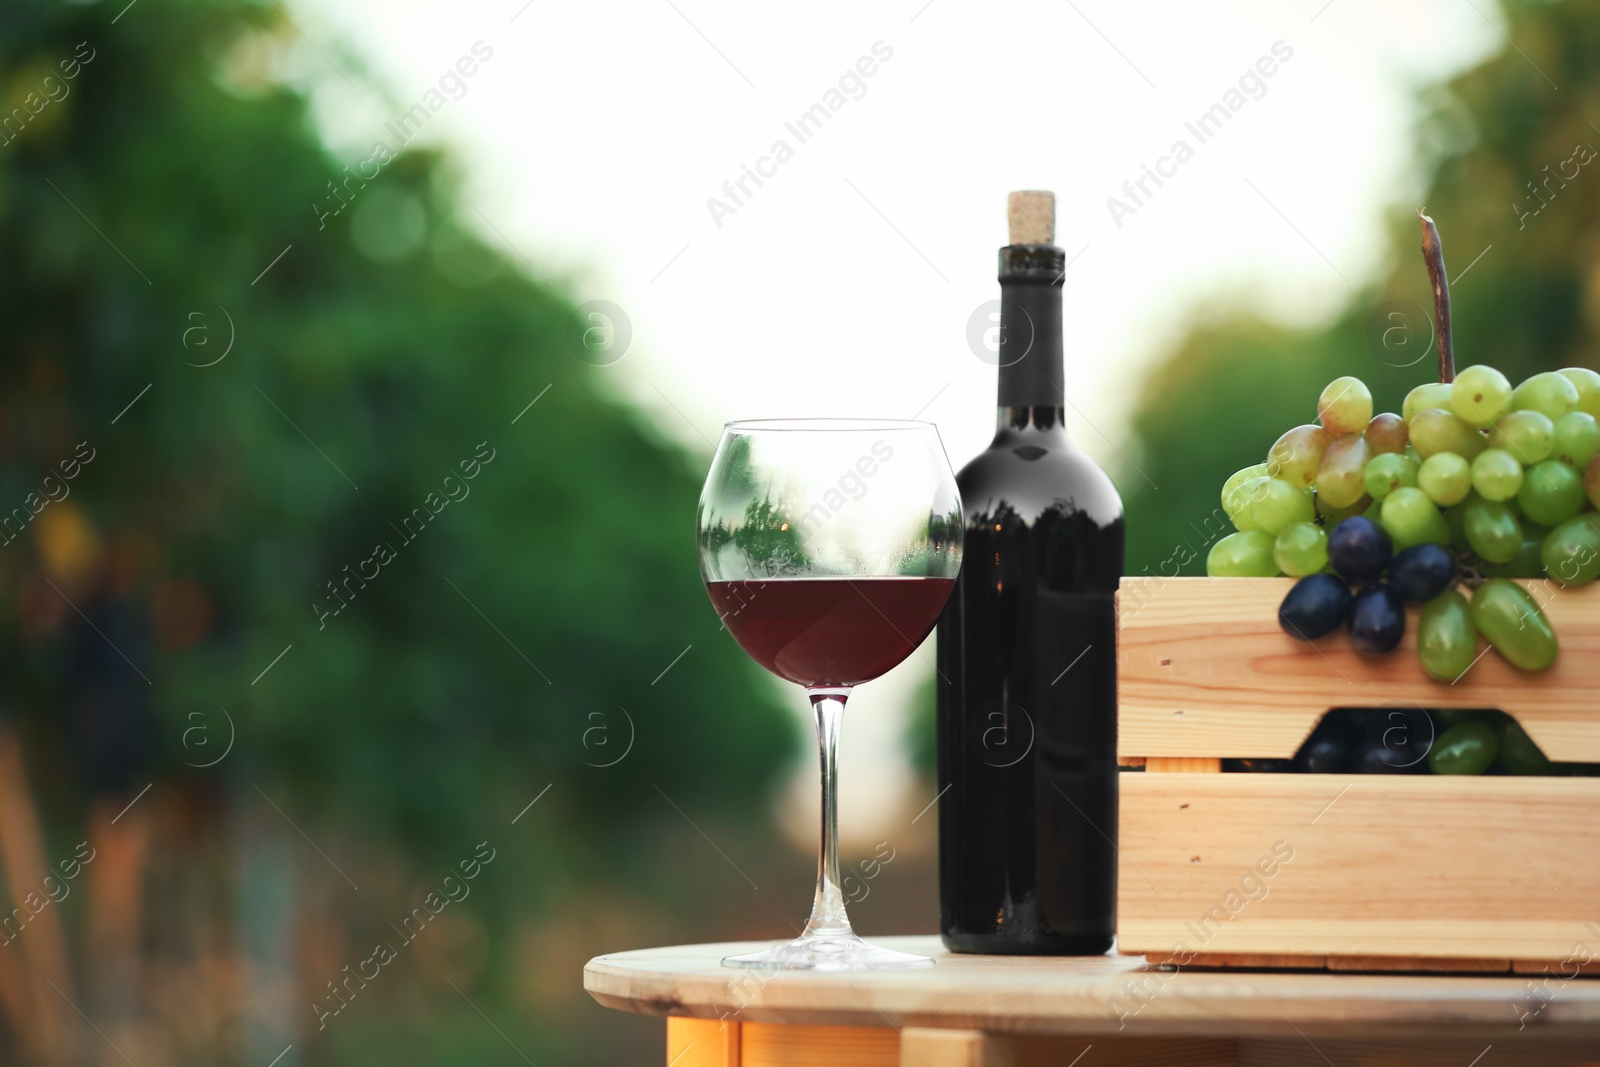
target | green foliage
x=406, y=706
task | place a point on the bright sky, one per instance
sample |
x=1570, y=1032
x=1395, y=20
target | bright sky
x=594, y=136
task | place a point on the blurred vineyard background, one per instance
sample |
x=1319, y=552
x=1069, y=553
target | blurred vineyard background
x=272, y=756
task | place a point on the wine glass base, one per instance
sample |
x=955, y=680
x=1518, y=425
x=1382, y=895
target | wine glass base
x=828, y=952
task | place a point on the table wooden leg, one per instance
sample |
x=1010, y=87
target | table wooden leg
x=729, y=1043
x=782, y=1045
x=703, y=1042
x=920, y=1047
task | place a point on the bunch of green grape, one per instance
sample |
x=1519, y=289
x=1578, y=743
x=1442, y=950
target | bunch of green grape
x=1507, y=479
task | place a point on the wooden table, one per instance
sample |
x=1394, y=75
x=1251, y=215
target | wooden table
x=992, y=1011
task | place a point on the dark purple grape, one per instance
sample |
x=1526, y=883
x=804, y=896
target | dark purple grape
x=1258, y=766
x=1381, y=759
x=1377, y=618
x=1422, y=572
x=1397, y=740
x=1359, y=548
x=1333, y=746
x=1317, y=605
x=1332, y=754
x=1326, y=755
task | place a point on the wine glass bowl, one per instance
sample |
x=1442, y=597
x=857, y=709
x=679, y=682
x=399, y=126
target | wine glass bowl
x=829, y=548
x=795, y=498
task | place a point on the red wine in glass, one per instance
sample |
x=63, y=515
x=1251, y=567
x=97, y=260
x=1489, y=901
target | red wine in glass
x=829, y=547
x=830, y=631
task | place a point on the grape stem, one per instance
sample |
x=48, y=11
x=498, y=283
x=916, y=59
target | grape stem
x=1433, y=256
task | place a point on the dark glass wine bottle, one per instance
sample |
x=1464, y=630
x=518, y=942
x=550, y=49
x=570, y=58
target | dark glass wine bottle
x=1027, y=716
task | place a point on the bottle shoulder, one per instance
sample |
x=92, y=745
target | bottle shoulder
x=1031, y=476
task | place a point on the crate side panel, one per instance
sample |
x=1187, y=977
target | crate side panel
x=1357, y=865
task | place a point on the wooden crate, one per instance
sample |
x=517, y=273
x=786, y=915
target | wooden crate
x=1348, y=872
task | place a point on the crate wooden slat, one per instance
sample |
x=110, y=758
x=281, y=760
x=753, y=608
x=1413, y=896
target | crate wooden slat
x=1204, y=670
x=1382, y=865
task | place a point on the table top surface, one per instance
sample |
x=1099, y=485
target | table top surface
x=1092, y=995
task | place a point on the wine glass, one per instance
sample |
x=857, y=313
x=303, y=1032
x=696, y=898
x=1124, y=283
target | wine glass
x=829, y=547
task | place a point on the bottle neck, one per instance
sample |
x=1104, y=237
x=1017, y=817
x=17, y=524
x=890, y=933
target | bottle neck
x=1042, y=418
x=1032, y=376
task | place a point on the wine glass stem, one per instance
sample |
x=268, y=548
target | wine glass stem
x=828, y=916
